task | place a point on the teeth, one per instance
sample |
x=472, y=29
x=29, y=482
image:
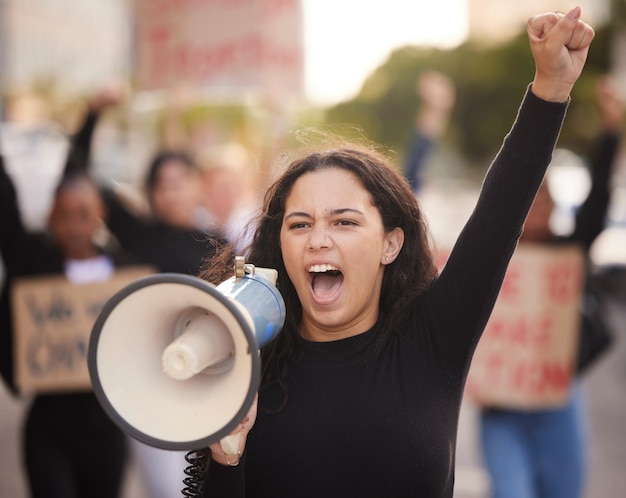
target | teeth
x=321, y=268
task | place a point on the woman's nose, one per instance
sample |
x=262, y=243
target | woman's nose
x=319, y=238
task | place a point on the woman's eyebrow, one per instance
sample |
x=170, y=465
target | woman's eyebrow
x=334, y=212
x=346, y=210
x=298, y=214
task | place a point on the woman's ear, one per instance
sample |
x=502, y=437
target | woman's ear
x=394, y=241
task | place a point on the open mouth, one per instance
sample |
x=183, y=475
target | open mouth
x=325, y=280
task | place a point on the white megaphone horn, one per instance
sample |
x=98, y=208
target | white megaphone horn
x=174, y=360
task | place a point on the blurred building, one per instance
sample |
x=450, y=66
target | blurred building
x=73, y=44
x=495, y=20
x=76, y=45
x=243, y=52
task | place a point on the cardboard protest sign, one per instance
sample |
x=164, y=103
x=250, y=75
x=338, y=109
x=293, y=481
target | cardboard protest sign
x=526, y=356
x=52, y=320
x=234, y=45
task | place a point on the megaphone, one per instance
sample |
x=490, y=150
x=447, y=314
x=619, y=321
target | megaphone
x=174, y=360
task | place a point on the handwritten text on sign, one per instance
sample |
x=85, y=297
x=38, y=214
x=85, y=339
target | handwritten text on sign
x=526, y=355
x=53, y=320
x=235, y=44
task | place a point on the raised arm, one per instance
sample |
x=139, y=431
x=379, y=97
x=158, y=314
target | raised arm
x=80, y=148
x=471, y=279
x=559, y=44
x=77, y=161
x=130, y=228
x=437, y=96
x=590, y=218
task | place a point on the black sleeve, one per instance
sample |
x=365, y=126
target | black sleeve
x=12, y=231
x=462, y=298
x=80, y=146
x=13, y=249
x=131, y=230
x=590, y=218
x=10, y=224
x=225, y=482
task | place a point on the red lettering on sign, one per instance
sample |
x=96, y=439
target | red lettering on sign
x=158, y=40
x=188, y=60
x=538, y=378
x=493, y=366
x=494, y=330
x=159, y=8
x=521, y=331
x=562, y=281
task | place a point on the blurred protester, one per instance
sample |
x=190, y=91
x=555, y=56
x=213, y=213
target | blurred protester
x=169, y=237
x=231, y=184
x=541, y=453
x=71, y=447
x=232, y=176
x=437, y=95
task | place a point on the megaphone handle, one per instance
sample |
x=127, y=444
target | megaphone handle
x=230, y=445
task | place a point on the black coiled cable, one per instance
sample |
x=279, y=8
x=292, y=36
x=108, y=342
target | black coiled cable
x=196, y=472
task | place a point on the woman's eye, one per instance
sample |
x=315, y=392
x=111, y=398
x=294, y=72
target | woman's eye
x=295, y=226
x=346, y=222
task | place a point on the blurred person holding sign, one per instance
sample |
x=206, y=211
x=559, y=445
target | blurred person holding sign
x=524, y=373
x=71, y=448
x=170, y=235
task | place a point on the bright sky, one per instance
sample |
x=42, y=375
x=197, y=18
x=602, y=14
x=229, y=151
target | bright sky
x=346, y=39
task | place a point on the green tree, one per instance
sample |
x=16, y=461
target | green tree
x=489, y=81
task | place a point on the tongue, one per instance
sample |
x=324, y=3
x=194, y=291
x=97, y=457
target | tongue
x=325, y=284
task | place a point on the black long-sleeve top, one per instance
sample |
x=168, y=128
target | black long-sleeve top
x=387, y=427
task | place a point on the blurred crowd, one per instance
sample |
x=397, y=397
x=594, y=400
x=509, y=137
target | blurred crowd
x=193, y=190
x=62, y=213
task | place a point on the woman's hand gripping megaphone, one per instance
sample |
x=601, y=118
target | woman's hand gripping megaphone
x=228, y=450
